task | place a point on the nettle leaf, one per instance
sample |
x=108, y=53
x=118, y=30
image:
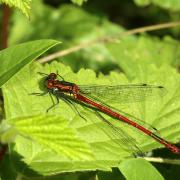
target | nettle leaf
x=133, y=54
x=16, y=57
x=97, y=137
x=79, y=2
x=23, y=5
x=53, y=132
x=132, y=169
x=173, y=5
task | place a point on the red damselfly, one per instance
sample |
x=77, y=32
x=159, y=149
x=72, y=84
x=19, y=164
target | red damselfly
x=120, y=93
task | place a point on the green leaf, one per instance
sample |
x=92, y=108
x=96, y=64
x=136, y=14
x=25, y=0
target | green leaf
x=106, y=146
x=133, y=54
x=16, y=57
x=23, y=5
x=53, y=132
x=173, y=5
x=139, y=169
x=79, y=2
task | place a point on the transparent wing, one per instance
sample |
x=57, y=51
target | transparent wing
x=120, y=137
x=124, y=93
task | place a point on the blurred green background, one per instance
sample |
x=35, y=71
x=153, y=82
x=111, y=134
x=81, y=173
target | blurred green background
x=73, y=25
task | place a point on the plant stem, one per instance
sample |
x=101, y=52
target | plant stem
x=162, y=160
x=3, y=151
x=107, y=39
x=5, y=25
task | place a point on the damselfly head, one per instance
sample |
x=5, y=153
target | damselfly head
x=52, y=76
x=47, y=79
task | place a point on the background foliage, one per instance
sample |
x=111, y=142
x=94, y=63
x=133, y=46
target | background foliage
x=114, y=57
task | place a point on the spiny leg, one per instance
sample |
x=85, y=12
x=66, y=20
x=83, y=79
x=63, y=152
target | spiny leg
x=54, y=104
x=45, y=93
x=59, y=75
x=73, y=106
x=43, y=74
x=121, y=135
x=39, y=94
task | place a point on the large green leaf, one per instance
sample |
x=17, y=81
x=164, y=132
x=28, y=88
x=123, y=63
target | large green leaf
x=16, y=57
x=133, y=54
x=53, y=132
x=105, y=145
x=23, y=5
x=139, y=169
